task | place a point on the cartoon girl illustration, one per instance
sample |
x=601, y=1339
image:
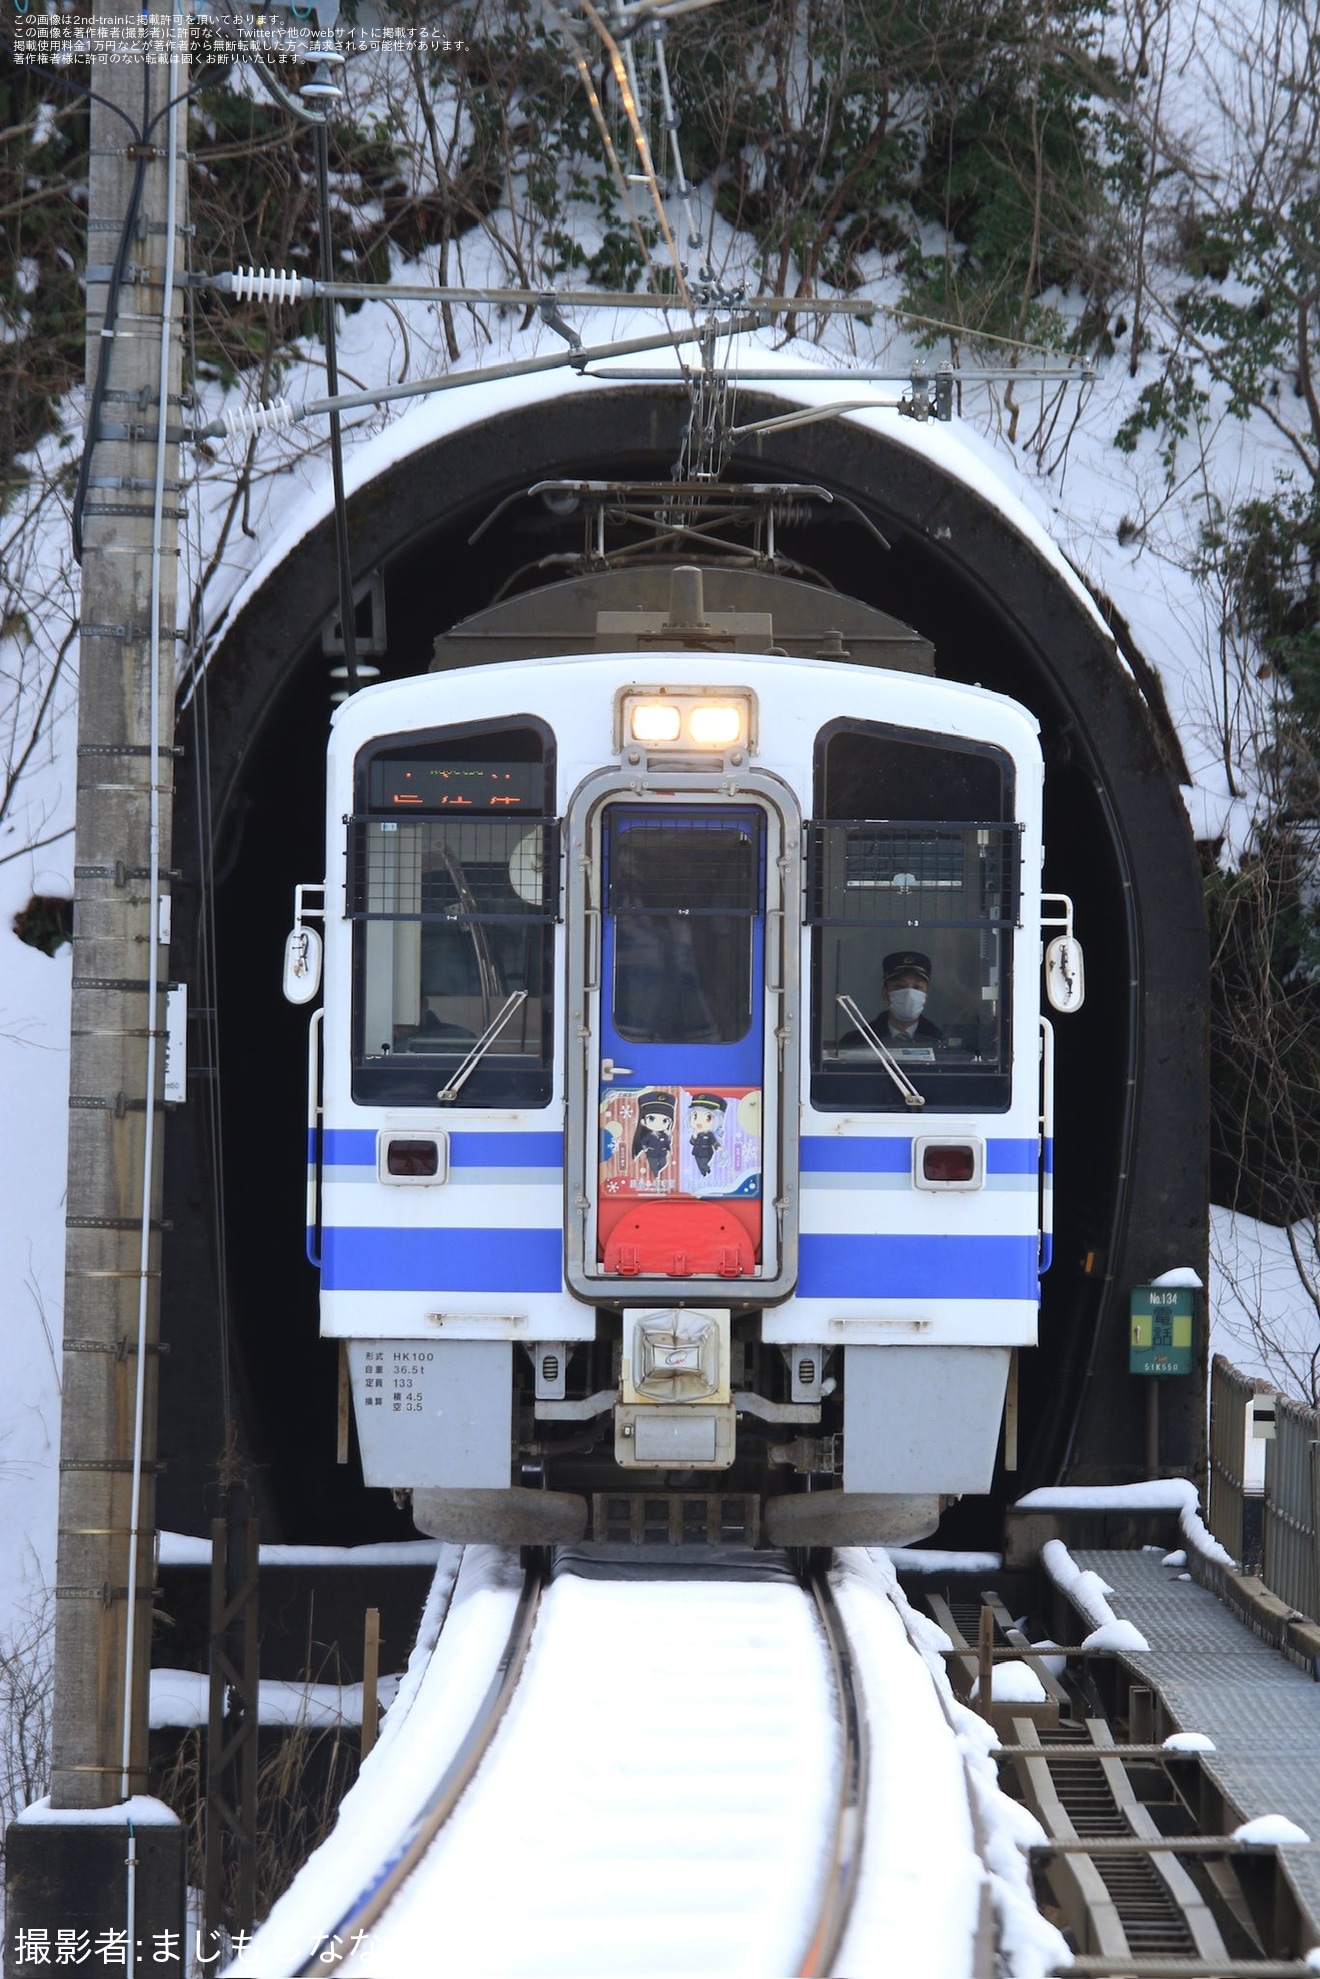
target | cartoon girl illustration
x=653, y=1135
x=705, y=1128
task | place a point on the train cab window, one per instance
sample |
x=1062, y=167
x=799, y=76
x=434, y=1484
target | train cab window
x=453, y=884
x=681, y=894
x=913, y=885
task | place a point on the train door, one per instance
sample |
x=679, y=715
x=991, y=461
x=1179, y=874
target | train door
x=685, y=1050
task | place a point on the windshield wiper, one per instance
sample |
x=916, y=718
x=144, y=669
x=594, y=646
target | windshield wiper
x=487, y=968
x=870, y=1037
x=481, y=1047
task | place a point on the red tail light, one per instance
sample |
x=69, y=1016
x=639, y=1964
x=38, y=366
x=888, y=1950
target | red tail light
x=412, y=1158
x=954, y=1162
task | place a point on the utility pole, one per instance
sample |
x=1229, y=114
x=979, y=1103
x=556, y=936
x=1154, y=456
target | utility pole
x=120, y=1873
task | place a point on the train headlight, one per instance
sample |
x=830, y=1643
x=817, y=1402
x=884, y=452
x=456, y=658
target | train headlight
x=656, y=721
x=715, y=724
x=686, y=718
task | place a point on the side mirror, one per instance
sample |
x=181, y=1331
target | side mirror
x=303, y=954
x=1065, y=974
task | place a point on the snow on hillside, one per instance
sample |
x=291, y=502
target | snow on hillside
x=1132, y=532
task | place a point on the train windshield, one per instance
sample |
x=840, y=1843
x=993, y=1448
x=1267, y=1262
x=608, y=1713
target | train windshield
x=682, y=894
x=453, y=881
x=913, y=887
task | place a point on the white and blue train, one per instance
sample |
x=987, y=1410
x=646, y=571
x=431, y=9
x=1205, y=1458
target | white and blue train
x=680, y=1106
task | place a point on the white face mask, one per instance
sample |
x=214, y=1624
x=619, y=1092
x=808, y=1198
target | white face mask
x=906, y=1004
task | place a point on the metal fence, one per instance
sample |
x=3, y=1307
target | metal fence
x=1292, y=1493
x=1230, y=1395
x=1277, y=1532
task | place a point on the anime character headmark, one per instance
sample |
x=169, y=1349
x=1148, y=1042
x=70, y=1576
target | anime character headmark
x=705, y=1128
x=653, y=1135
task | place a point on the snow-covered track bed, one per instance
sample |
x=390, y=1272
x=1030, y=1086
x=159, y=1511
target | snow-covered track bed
x=675, y=1788
x=703, y=1767
x=384, y=1883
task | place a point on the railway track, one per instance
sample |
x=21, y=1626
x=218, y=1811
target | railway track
x=371, y=1902
x=667, y=1821
x=624, y=1821
x=841, y=1875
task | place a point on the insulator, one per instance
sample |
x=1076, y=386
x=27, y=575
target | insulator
x=266, y=285
x=258, y=419
x=320, y=85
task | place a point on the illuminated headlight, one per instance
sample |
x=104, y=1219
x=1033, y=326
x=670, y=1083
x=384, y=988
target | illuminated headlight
x=676, y=1356
x=686, y=718
x=656, y=721
x=715, y=725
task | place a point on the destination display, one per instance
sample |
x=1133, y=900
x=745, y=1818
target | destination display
x=454, y=786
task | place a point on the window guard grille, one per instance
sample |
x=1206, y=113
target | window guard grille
x=913, y=873
x=453, y=869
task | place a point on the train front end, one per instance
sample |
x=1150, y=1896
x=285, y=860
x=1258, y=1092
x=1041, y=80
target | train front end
x=680, y=1112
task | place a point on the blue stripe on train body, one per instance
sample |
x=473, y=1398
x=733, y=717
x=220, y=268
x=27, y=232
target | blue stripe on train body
x=355, y=1147
x=823, y=1154
x=895, y=1267
x=366, y=1258
x=830, y=1267
x=853, y=1154
x=447, y=1260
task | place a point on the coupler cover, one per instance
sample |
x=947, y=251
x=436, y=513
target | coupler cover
x=691, y=1438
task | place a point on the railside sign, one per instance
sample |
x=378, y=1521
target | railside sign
x=1161, y=1338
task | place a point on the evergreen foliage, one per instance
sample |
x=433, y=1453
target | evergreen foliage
x=43, y=247
x=992, y=159
x=963, y=146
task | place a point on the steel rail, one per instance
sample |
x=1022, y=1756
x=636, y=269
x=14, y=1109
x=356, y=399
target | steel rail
x=850, y=1816
x=370, y=1904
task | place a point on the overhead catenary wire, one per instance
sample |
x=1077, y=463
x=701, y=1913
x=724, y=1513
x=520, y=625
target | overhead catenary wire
x=343, y=552
x=624, y=77
x=281, y=413
x=283, y=285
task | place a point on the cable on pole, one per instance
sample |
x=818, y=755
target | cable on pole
x=343, y=553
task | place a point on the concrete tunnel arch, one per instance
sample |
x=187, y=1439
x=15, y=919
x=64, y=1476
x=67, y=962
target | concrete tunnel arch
x=1002, y=609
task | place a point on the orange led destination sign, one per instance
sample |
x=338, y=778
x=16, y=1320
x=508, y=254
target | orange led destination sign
x=448, y=786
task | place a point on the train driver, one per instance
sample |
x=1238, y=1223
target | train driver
x=902, y=1021
x=907, y=986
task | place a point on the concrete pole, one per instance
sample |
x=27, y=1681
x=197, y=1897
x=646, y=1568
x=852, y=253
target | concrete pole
x=106, y=1555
